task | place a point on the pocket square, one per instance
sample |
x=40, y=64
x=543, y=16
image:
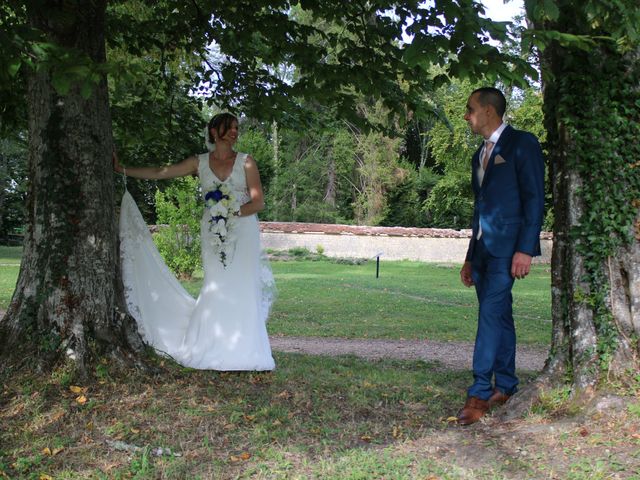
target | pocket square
x=499, y=160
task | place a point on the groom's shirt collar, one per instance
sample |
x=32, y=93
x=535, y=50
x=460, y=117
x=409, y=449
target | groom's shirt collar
x=496, y=134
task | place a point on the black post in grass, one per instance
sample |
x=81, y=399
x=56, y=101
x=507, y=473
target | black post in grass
x=378, y=264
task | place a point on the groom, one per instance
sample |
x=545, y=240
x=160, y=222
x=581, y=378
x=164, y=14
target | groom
x=508, y=185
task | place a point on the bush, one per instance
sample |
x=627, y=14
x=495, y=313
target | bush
x=450, y=203
x=179, y=208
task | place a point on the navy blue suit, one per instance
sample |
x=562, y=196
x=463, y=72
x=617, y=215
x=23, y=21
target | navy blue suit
x=510, y=206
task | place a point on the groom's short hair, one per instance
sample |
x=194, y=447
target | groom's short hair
x=492, y=96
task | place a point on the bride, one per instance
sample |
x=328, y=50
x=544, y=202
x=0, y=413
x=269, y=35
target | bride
x=225, y=327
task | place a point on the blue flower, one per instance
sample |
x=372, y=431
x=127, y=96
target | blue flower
x=215, y=195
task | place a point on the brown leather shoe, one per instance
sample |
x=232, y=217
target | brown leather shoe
x=498, y=398
x=473, y=410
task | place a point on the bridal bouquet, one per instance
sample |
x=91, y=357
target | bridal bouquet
x=223, y=208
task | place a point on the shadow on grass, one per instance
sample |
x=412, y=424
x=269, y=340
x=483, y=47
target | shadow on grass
x=208, y=423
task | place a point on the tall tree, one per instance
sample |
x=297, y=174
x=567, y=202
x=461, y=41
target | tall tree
x=593, y=126
x=68, y=302
x=66, y=298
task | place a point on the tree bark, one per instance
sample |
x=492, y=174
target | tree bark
x=585, y=112
x=68, y=299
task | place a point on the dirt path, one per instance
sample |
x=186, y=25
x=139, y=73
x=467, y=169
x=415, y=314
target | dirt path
x=452, y=355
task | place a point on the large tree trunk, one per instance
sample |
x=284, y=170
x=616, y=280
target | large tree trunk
x=592, y=153
x=66, y=301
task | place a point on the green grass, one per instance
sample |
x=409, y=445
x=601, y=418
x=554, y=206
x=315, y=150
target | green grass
x=409, y=300
x=341, y=418
x=9, y=268
x=222, y=424
x=314, y=417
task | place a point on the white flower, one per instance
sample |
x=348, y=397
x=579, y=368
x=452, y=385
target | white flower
x=219, y=210
x=220, y=229
x=234, y=205
x=223, y=207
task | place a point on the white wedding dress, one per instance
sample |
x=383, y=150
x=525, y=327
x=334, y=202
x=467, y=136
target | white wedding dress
x=225, y=327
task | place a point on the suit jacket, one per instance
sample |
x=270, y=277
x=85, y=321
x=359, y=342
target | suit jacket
x=510, y=202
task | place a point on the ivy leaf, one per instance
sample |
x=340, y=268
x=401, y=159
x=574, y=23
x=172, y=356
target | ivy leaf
x=86, y=90
x=14, y=67
x=61, y=83
x=551, y=10
x=542, y=11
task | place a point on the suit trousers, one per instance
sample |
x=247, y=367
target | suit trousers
x=495, y=347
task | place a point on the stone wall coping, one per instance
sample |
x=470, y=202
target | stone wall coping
x=338, y=229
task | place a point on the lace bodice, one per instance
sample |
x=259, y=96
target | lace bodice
x=237, y=181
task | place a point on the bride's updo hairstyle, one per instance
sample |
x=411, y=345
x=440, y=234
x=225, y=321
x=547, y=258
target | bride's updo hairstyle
x=220, y=123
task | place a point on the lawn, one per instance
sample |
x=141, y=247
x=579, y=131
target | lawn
x=409, y=300
x=313, y=417
x=9, y=268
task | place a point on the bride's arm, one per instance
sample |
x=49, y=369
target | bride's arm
x=188, y=166
x=254, y=186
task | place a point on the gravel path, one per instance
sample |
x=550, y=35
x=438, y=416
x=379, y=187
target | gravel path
x=451, y=355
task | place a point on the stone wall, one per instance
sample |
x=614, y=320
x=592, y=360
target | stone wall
x=391, y=243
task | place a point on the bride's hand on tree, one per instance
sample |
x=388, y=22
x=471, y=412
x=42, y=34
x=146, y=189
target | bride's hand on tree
x=116, y=163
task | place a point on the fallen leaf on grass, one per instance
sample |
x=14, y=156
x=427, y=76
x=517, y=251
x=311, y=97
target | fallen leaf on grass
x=258, y=379
x=242, y=457
x=452, y=419
x=584, y=432
x=51, y=453
x=76, y=389
x=365, y=438
x=285, y=394
x=81, y=399
x=58, y=415
x=44, y=476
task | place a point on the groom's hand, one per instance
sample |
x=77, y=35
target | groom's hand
x=520, y=265
x=465, y=274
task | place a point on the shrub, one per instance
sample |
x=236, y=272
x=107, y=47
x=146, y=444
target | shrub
x=180, y=209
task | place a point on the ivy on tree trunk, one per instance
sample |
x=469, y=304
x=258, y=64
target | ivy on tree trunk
x=591, y=100
x=69, y=294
